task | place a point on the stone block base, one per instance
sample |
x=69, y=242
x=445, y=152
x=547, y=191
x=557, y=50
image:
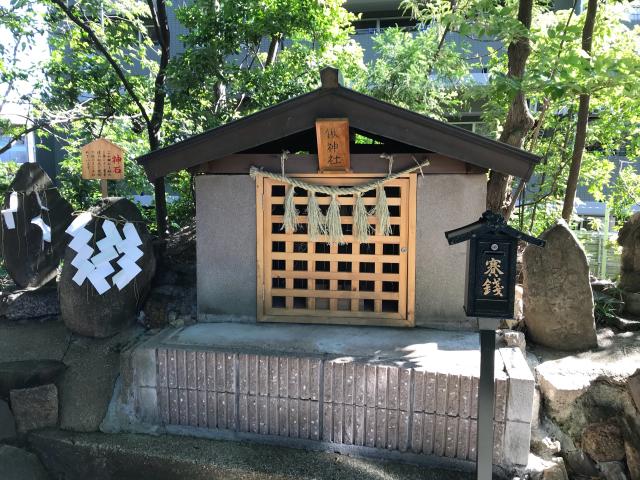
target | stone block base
x=418, y=403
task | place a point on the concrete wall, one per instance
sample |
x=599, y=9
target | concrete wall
x=226, y=248
x=444, y=202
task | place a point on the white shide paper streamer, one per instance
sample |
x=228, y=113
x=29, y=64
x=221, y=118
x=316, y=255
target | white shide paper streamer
x=7, y=213
x=96, y=268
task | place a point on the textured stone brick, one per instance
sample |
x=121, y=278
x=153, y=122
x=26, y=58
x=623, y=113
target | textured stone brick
x=403, y=430
x=451, y=436
x=192, y=407
x=404, y=389
x=430, y=392
x=163, y=405
x=35, y=407
x=359, y=427
x=442, y=380
x=360, y=384
x=183, y=409
x=453, y=395
x=190, y=362
x=181, y=367
x=462, y=449
x=162, y=367
x=440, y=435
x=174, y=409
x=349, y=383
x=201, y=370
x=349, y=419
x=392, y=391
x=293, y=377
x=202, y=409
x=172, y=374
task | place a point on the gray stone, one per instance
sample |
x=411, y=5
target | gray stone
x=631, y=303
x=87, y=386
x=88, y=313
x=629, y=239
x=515, y=339
x=28, y=373
x=603, y=442
x=633, y=384
x=18, y=464
x=558, y=301
x=35, y=408
x=30, y=262
x=544, y=446
x=581, y=389
x=29, y=304
x=7, y=422
x=579, y=464
x=555, y=471
x=612, y=471
x=632, y=453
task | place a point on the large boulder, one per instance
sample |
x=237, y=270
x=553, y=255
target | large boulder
x=629, y=239
x=100, y=306
x=558, y=301
x=30, y=260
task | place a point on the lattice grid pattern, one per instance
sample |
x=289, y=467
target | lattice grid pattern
x=363, y=283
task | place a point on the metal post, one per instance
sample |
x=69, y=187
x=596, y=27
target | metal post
x=484, y=457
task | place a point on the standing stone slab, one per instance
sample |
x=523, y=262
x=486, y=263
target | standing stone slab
x=629, y=239
x=31, y=262
x=84, y=310
x=35, y=408
x=558, y=301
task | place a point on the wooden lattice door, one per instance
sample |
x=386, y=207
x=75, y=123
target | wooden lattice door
x=353, y=283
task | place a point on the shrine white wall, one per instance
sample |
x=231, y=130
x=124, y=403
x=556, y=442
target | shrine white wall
x=226, y=247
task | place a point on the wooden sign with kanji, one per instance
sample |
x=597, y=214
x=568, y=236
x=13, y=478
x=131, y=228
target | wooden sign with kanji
x=102, y=160
x=332, y=135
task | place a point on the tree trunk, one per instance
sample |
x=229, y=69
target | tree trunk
x=583, y=119
x=273, y=50
x=161, y=24
x=519, y=120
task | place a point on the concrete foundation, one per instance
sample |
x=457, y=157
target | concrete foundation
x=360, y=390
x=226, y=247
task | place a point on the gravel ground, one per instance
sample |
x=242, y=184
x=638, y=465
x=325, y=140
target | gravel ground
x=140, y=457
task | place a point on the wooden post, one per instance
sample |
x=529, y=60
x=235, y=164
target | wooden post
x=105, y=188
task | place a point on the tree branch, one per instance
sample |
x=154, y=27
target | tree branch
x=18, y=136
x=71, y=15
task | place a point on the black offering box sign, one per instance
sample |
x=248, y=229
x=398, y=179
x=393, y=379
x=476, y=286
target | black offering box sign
x=491, y=267
x=489, y=296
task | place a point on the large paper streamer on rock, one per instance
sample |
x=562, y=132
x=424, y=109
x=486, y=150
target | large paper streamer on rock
x=108, y=267
x=34, y=217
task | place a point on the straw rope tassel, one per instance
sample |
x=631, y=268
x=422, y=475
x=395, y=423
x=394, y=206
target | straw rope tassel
x=290, y=222
x=382, y=212
x=334, y=224
x=315, y=219
x=361, y=228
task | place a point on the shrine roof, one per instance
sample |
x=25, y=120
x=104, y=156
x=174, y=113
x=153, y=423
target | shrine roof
x=365, y=114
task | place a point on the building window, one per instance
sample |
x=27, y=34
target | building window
x=353, y=283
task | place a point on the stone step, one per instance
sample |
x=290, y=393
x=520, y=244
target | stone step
x=79, y=456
